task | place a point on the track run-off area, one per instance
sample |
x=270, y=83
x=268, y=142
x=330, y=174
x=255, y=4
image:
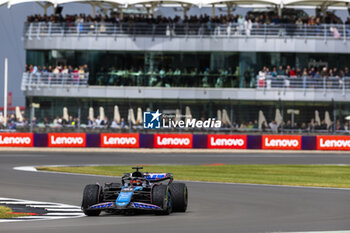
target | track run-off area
x=213, y=207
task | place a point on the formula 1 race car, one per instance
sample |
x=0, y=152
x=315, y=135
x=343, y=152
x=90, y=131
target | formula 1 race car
x=137, y=192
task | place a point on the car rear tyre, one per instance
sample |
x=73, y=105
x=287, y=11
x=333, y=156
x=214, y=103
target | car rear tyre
x=179, y=195
x=91, y=197
x=161, y=196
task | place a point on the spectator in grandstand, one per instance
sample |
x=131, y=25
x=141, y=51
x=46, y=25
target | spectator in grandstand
x=90, y=123
x=256, y=125
x=57, y=122
x=288, y=125
x=281, y=71
x=105, y=122
x=122, y=123
x=71, y=122
x=274, y=126
x=65, y=70
x=247, y=26
x=35, y=121
x=250, y=125
x=97, y=121
x=304, y=127
x=317, y=126
x=274, y=72
x=243, y=126
x=46, y=122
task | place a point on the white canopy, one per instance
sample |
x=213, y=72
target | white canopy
x=200, y=3
x=278, y=117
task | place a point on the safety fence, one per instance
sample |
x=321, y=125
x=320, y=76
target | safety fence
x=209, y=141
x=305, y=82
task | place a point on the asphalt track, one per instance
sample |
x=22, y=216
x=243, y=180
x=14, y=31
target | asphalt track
x=212, y=207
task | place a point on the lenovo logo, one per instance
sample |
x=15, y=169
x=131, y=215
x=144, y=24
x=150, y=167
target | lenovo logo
x=288, y=142
x=16, y=139
x=120, y=140
x=67, y=140
x=227, y=141
x=173, y=141
x=333, y=142
x=281, y=142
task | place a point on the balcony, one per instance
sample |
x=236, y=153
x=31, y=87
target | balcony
x=220, y=87
x=188, y=37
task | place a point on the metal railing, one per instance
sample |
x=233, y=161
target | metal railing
x=303, y=83
x=39, y=80
x=197, y=30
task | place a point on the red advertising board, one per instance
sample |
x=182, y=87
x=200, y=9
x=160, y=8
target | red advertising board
x=333, y=143
x=66, y=139
x=173, y=140
x=16, y=140
x=221, y=141
x=281, y=142
x=120, y=140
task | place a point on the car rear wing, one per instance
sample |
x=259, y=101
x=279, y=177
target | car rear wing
x=157, y=177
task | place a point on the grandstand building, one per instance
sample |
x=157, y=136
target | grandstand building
x=206, y=65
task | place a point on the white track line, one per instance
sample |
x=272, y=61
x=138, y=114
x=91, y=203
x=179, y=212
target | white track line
x=33, y=169
x=49, y=206
x=62, y=210
x=53, y=210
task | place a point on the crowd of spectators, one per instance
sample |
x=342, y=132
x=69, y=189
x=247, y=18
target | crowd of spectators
x=187, y=77
x=162, y=77
x=60, y=74
x=314, y=72
x=263, y=18
x=59, y=69
x=244, y=126
x=304, y=127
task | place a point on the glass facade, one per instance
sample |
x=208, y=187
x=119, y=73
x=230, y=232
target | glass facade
x=243, y=65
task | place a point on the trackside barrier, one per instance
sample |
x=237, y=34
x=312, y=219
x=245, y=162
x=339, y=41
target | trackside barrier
x=281, y=142
x=16, y=140
x=333, y=143
x=210, y=141
x=66, y=140
x=222, y=141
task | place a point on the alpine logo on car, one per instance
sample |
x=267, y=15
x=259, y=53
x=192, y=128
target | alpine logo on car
x=120, y=140
x=16, y=139
x=173, y=140
x=333, y=143
x=281, y=142
x=227, y=141
x=67, y=139
x=156, y=176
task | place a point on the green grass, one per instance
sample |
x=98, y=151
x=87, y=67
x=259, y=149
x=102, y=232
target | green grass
x=297, y=175
x=6, y=212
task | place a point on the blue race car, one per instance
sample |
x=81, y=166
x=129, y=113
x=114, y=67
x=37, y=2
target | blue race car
x=137, y=192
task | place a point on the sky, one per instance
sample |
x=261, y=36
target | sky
x=11, y=40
